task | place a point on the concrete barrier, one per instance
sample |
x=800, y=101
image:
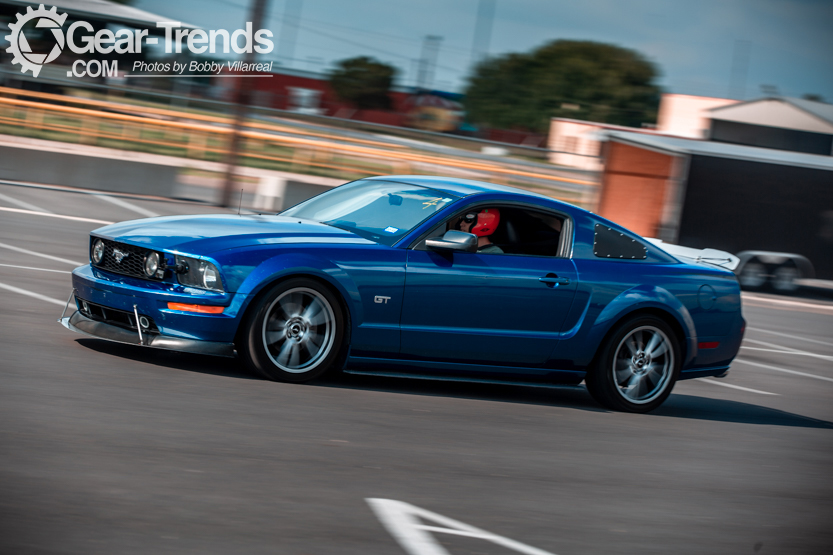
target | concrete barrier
x=71, y=169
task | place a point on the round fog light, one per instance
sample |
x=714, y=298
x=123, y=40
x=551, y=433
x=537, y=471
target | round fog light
x=151, y=264
x=143, y=321
x=98, y=251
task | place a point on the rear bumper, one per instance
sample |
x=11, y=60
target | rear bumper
x=79, y=323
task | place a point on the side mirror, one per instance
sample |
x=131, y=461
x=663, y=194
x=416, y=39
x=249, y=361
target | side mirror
x=453, y=241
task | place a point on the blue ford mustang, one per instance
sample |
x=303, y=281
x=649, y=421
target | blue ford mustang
x=422, y=277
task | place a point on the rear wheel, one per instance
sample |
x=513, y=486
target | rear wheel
x=294, y=333
x=637, y=366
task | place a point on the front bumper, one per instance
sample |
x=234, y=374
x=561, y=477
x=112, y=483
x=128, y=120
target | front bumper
x=151, y=299
x=79, y=323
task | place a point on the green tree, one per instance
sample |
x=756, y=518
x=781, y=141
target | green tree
x=575, y=79
x=363, y=82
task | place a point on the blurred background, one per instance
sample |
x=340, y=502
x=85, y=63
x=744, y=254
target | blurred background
x=706, y=125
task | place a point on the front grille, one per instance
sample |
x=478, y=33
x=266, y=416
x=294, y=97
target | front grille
x=113, y=316
x=132, y=264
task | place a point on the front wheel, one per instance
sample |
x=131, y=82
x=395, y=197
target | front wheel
x=295, y=332
x=637, y=366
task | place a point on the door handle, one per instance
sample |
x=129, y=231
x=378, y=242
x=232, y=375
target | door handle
x=553, y=280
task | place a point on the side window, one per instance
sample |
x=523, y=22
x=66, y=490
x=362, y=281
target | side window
x=519, y=231
x=609, y=243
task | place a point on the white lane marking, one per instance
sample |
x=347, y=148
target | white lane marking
x=775, y=368
x=404, y=522
x=787, y=351
x=31, y=294
x=49, y=214
x=127, y=205
x=22, y=204
x=41, y=255
x=31, y=268
x=737, y=387
x=747, y=296
x=791, y=336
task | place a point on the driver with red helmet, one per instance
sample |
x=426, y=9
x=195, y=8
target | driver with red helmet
x=482, y=224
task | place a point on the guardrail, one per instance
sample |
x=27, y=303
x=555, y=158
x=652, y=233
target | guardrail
x=270, y=145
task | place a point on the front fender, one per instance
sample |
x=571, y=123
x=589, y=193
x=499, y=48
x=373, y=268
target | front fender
x=645, y=297
x=288, y=264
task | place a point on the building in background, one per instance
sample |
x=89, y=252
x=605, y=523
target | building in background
x=578, y=144
x=684, y=115
x=780, y=123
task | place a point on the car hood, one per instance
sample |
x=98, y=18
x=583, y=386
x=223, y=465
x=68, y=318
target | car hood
x=203, y=234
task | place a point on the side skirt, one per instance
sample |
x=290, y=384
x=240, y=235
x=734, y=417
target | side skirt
x=436, y=378
x=478, y=373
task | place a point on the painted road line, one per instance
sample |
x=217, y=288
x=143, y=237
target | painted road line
x=829, y=344
x=786, y=351
x=41, y=255
x=747, y=296
x=22, y=204
x=31, y=294
x=127, y=205
x=777, y=369
x=406, y=523
x=737, y=387
x=50, y=215
x=39, y=269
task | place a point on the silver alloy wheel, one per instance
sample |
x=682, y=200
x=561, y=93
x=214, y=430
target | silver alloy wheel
x=643, y=364
x=299, y=330
x=753, y=275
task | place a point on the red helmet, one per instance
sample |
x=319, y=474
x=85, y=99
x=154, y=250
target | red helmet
x=487, y=222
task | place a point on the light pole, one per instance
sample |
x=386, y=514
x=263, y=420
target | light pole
x=242, y=96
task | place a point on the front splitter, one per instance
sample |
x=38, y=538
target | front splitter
x=79, y=323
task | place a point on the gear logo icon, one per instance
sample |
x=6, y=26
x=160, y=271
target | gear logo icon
x=20, y=49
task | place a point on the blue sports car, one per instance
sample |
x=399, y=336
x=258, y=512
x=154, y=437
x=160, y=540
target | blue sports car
x=421, y=277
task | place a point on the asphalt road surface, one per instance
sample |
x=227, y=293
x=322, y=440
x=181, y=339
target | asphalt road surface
x=114, y=449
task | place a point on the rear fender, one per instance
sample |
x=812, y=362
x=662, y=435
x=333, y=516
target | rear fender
x=646, y=298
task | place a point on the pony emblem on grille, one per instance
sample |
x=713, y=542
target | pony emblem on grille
x=119, y=255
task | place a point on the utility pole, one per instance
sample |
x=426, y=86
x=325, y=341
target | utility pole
x=430, y=49
x=740, y=68
x=482, y=31
x=242, y=96
x=289, y=31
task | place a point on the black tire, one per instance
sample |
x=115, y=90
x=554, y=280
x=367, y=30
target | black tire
x=626, y=376
x=296, y=332
x=784, y=278
x=754, y=275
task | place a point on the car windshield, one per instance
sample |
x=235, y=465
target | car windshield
x=381, y=211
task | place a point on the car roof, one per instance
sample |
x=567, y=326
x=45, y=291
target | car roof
x=457, y=187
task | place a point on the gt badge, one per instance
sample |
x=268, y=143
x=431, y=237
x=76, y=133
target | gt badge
x=379, y=299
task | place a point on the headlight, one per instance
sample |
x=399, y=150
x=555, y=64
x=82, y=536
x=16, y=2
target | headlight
x=151, y=264
x=98, y=251
x=198, y=273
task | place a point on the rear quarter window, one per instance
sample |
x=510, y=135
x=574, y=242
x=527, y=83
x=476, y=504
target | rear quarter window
x=613, y=244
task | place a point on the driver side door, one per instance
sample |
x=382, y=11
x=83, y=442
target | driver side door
x=486, y=309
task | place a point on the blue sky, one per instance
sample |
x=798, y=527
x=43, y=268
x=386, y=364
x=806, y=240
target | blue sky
x=790, y=42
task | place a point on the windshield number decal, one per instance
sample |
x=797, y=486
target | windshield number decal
x=432, y=202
